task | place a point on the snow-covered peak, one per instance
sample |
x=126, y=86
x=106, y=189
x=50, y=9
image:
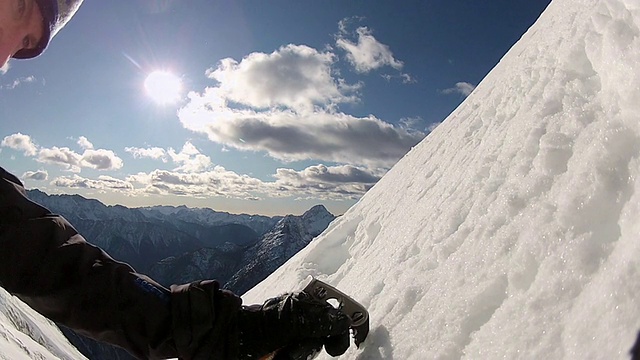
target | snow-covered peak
x=210, y=217
x=512, y=230
x=317, y=219
x=292, y=230
x=76, y=207
x=290, y=234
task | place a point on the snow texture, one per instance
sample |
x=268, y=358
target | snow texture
x=513, y=230
x=26, y=335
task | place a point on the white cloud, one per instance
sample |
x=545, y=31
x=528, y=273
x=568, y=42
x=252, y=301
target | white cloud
x=20, y=142
x=367, y=53
x=188, y=149
x=19, y=81
x=155, y=153
x=463, y=88
x=40, y=175
x=190, y=159
x=413, y=124
x=286, y=104
x=294, y=76
x=196, y=178
x=407, y=79
x=84, y=143
x=320, y=181
x=64, y=157
x=216, y=182
x=96, y=159
x=101, y=159
x=102, y=183
x=326, y=182
x=327, y=174
x=288, y=136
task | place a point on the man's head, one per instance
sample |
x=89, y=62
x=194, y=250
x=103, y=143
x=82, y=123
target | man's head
x=27, y=26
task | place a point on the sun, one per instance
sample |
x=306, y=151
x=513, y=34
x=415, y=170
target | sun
x=163, y=87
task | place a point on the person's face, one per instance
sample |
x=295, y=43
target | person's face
x=21, y=27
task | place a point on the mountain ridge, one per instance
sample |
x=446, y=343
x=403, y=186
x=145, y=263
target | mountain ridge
x=176, y=245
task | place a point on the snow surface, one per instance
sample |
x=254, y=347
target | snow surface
x=26, y=335
x=513, y=230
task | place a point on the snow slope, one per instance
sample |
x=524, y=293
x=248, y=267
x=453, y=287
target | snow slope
x=513, y=230
x=26, y=335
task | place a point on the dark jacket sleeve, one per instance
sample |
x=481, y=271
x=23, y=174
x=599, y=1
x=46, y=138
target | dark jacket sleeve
x=49, y=266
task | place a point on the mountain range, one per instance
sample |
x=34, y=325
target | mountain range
x=176, y=245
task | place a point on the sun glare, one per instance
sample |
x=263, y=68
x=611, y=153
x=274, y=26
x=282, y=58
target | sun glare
x=163, y=87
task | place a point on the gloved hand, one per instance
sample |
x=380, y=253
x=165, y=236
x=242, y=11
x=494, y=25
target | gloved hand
x=294, y=324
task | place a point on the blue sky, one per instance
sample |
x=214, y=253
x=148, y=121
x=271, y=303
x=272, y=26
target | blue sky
x=282, y=104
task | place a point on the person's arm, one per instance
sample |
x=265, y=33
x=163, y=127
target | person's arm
x=48, y=265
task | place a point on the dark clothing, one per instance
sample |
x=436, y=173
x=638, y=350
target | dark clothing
x=49, y=266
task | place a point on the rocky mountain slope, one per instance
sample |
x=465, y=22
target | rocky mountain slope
x=144, y=236
x=180, y=244
x=289, y=236
x=242, y=267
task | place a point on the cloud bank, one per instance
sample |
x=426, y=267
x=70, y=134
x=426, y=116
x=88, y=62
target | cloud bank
x=295, y=76
x=99, y=159
x=319, y=181
x=287, y=104
x=189, y=159
x=289, y=136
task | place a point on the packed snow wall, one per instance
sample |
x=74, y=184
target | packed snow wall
x=513, y=230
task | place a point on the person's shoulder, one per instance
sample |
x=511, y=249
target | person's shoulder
x=4, y=174
x=10, y=183
x=13, y=194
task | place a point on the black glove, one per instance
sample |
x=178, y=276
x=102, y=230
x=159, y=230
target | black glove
x=295, y=325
